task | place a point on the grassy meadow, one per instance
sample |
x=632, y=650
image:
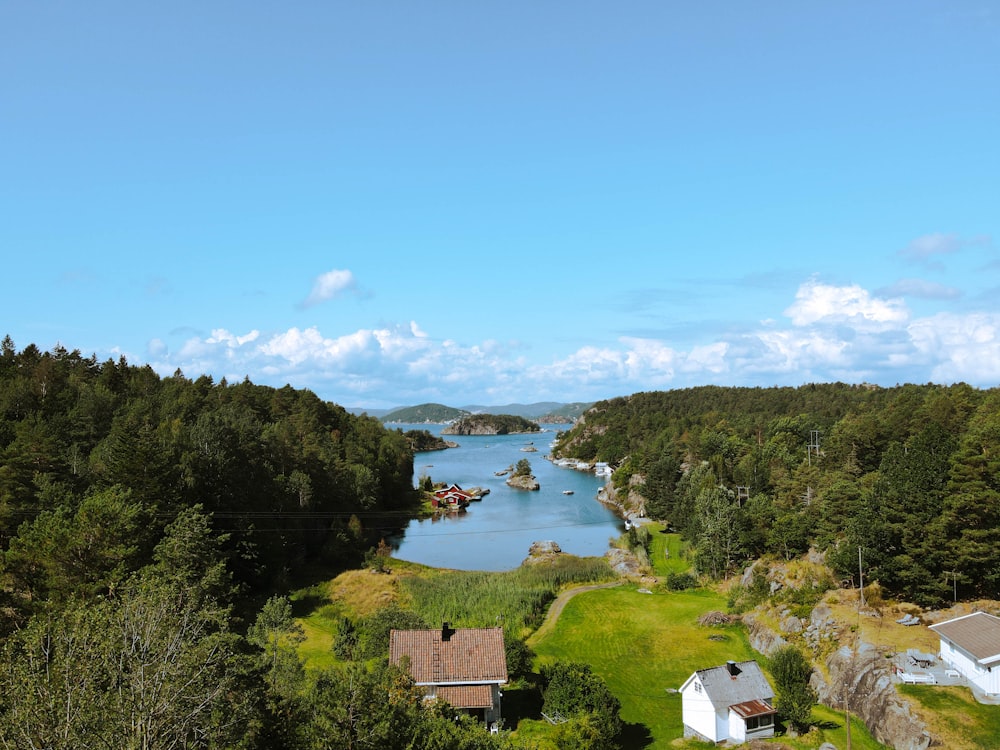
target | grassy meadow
x=644, y=645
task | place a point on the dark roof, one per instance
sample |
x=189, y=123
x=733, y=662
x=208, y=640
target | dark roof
x=978, y=634
x=734, y=683
x=468, y=656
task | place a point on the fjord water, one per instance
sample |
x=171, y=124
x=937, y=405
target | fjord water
x=496, y=532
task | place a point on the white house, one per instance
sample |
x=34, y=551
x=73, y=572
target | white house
x=971, y=645
x=734, y=703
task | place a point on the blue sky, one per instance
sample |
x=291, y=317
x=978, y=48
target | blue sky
x=393, y=203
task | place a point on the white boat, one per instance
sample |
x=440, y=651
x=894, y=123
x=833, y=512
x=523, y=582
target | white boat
x=567, y=492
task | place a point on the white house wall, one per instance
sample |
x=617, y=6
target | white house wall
x=985, y=679
x=699, y=714
x=737, y=729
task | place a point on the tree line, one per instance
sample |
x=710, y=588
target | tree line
x=908, y=475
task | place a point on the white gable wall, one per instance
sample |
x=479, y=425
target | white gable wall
x=699, y=714
x=986, y=679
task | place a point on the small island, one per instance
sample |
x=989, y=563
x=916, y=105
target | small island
x=423, y=440
x=490, y=424
x=522, y=478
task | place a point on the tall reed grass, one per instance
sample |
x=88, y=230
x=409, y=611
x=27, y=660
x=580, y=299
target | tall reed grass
x=515, y=599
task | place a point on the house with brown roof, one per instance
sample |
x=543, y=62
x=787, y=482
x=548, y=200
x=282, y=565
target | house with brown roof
x=463, y=666
x=971, y=646
x=729, y=703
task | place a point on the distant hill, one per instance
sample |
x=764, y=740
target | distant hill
x=361, y=410
x=425, y=413
x=542, y=411
x=537, y=410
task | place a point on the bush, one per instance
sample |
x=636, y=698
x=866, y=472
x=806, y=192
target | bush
x=574, y=691
x=793, y=695
x=680, y=581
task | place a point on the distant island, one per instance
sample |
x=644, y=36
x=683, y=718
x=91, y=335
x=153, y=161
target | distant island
x=490, y=424
x=422, y=440
x=545, y=412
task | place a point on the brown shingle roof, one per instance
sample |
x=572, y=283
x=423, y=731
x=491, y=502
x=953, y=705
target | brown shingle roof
x=978, y=633
x=469, y=655
x=467, y=696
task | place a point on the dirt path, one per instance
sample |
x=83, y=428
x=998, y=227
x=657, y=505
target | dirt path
x=557, y=606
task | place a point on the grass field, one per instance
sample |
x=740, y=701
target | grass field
x=954, y=716
x=666, y=553
x=644, y=645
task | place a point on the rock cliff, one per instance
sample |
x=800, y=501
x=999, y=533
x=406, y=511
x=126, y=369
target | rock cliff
x=860, y=674
x=523, y=482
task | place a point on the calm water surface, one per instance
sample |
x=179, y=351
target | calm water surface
x=495, y=533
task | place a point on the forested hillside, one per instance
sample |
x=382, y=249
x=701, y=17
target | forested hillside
x=910, y=475
x=144, y=521
x=107, y=454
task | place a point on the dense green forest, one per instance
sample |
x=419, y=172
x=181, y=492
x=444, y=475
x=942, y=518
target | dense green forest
x=287, y=477
x=910, y=475
x=144, y=523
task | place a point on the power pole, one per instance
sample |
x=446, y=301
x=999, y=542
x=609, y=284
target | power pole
x=861, y=589
x=954, y=583
x=813, y=445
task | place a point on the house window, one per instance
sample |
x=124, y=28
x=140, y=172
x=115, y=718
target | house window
x=759, y=722
x=697, y=687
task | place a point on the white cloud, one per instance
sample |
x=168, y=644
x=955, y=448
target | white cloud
x=960, y=347
x=328, y=285
x=831, y=333
x=818, y=303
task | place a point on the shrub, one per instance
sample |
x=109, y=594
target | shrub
x=680, y=581
x=574, y=691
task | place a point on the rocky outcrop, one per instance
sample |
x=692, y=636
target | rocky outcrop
x=523, y=482
x=623, y=562
x=542, y=551
x=861, y=676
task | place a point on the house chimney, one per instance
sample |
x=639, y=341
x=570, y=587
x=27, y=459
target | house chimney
x=446, y=632
x=733, y=669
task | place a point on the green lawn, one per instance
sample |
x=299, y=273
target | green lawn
x=666, y=553
x=959, y=720
x=643, y=645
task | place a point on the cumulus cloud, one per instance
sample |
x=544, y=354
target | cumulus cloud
x=960, y=347
x=329, y=285
x=829, y=333
x=818, y=303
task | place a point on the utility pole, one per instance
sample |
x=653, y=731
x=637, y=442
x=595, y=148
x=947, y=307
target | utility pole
x=954, y=583
x=861, y=588
x=812, y=446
